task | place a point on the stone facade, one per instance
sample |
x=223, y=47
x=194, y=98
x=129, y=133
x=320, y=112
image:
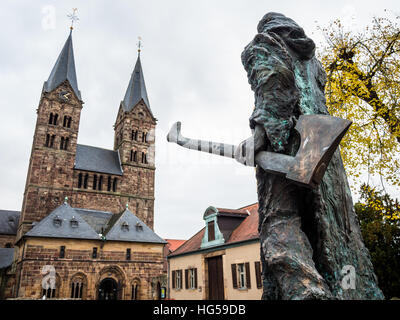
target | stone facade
x=53, y=176
x=145, y=263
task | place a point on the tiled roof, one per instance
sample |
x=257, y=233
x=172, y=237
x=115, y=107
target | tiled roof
x=9, y=221
x=78, y=223
x=174, y=244
x=64, y=69
x=6, y=257
x=247, y=230
x=95, y=159
x=128, y=227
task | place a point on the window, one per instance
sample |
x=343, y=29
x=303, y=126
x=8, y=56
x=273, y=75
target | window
x=80, y=180
x=85, y=181
x=94, y=253
x=211, y=230
x=74, y=223
x=257, y=266
x=128, y=254
x=135, y=291
x=8, y=245
x=144, y=135
x=135, y=156
x=47, y=143
x=191, y=278
x=100, y=183
x=49, y=293
x=125, y=226
x=52, y=138
x=78, y=286
x=131, y=158
x=144, y=158
x=115, y=185
x=53, y=118
x=67, y=122
x=109, y=184
x=241, y=276
x=177, y=279
x=64, y=143
x=95, y=182
x=62, y=252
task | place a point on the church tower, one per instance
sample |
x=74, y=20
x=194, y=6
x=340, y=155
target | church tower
x=50, y=174
x=134, y=138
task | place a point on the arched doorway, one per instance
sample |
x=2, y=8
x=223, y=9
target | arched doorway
x=108, y=289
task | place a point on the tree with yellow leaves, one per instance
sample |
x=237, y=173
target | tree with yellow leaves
x=363, y=85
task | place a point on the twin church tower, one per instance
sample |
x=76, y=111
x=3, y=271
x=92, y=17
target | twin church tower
x=89, y=177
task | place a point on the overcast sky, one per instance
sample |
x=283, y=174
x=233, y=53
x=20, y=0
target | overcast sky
x=193, y=73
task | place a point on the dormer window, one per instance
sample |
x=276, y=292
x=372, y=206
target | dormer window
x=57, y=222
x=74, y=223
x=211, y=230
x=125, y=226
x=139, y=227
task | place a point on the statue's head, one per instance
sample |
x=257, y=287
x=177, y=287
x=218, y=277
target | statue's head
x=279, y=42
x=290, y=32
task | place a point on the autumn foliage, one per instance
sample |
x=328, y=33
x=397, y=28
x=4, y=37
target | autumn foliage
x=363, y=85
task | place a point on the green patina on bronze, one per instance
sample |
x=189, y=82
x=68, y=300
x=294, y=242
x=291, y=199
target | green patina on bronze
x=307, y=236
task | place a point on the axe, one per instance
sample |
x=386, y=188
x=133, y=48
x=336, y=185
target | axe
x=320, y=135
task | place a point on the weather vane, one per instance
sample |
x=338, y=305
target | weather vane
x=73, y=17
x=139, y=44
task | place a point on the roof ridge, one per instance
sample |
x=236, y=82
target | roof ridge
x=86, y=145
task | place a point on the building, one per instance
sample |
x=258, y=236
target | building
x=85, y=230
x=221, y=261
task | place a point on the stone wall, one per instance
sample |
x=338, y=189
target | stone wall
x=145, y=264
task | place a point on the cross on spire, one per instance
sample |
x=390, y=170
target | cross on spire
x=73, y=17
x=139, y=44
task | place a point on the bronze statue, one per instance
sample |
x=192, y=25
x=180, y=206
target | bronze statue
x=310, y=237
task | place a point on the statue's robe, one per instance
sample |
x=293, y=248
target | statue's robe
x=309, y=238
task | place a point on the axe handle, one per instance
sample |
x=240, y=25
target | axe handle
x=218, y=148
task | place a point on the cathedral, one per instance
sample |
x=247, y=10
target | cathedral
x=85, y=230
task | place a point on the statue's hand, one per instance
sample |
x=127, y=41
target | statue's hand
x=246, y=150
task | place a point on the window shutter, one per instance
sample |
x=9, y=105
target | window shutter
x=234, y=276
x=173, y=279
x=258, y=274
x=195, y=278
x=186, y=279
x=248, y=284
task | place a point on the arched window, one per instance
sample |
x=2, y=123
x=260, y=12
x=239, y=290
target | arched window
x=131, y=157
x=143, y=136
x=69, y=122
x=52, y=138
x=78, y=286
x=109, y=183
x=85, y=181
x=115, y=185
x=135, y=156
x=66, y=142
x=47, y=143
x=51, y=118
x=100, y=187
x=135, y=290
x=144, y=158
x=80, y=180
x=55, y=119
x=95, y=182
x=65, y=121
x=62, y=143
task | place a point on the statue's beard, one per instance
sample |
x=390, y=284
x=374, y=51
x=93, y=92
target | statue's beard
x=303, y=47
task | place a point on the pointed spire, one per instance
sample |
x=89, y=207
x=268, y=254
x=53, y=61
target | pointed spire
x=64, y=69
x=136, y=90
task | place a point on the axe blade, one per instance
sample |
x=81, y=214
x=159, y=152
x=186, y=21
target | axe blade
x=321, y=135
